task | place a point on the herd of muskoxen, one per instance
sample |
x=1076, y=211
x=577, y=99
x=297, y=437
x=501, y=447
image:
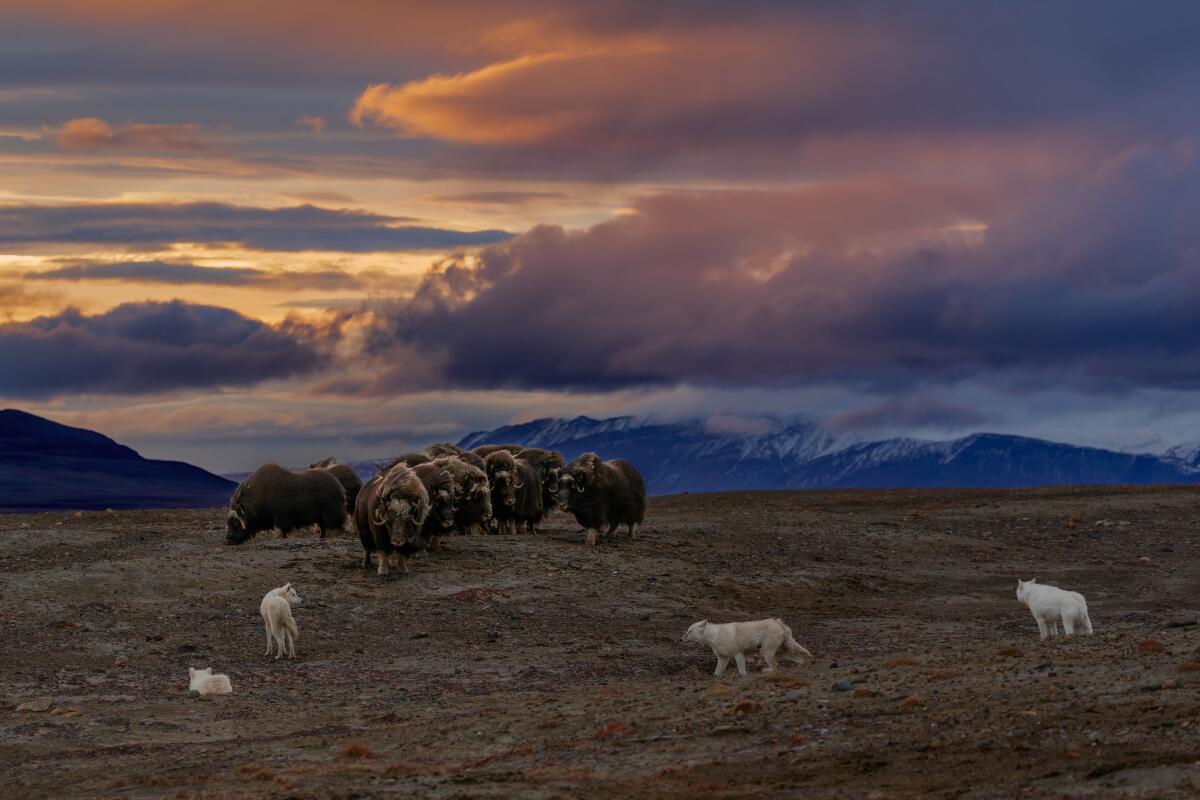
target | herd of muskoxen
x=419, y=497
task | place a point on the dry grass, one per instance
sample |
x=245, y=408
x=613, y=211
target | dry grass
x=1010, y=652
x=613, y=729
x=746, y=707
x=901, y=661
x=912, y=701
x=1151, y=646
x=943, y=674
x=357, y=750
x=1190, y=666
x=260, y=772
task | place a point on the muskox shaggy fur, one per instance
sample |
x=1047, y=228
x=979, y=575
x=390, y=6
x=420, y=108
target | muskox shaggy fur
x=391, y=510
x=485, y=450
x=443, y=449
x=473, y=503
x=408, y=459
x=439, y=483
x=346, y=476
x=603, y=494
x=502, y=479
x=274, y=497
x=473, y=460
x=529, y=509
x=549, y=464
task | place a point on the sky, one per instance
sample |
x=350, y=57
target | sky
x=236, y=232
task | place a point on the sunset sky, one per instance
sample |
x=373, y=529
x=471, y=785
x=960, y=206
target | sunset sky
x=241, y=231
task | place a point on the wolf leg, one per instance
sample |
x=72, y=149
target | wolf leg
x=268, y=627
x=1068, y=625
x=722, y=661
x=1054, y=628
x=1042, y=627
x=768, y=654
x=741, y=663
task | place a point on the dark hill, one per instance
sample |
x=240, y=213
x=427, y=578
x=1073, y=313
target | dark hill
x=48, y=466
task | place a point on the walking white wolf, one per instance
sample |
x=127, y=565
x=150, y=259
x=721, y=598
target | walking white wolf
x=276, y=610
x=1050, y=604
x=732, y=639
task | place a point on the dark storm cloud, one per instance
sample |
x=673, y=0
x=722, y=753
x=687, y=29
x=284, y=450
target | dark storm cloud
x=303, y=227
x=826, y=283
x=176, y=273
x=141, y=348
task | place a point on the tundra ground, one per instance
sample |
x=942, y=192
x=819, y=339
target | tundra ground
x=532, y=666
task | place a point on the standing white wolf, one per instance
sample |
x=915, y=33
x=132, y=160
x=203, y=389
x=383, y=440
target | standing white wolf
x=732, y=639
x=204, y=682
x=1050, y=604
x=276, y=610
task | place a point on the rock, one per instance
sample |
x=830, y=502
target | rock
x=121, y=661
x=36, y=706
x=842, y=686
x=644, y=616
x=863, y=691
x=985, y=744
x=746, y=707
x=912, y=701
x=421, y=634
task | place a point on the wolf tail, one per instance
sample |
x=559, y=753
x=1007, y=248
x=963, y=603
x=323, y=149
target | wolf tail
x=1087, y=621
x=790, y=644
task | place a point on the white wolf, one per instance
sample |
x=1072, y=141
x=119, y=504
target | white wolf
x=204, y=682
x=731, y=639
x=1050, y=604
x=276, y=610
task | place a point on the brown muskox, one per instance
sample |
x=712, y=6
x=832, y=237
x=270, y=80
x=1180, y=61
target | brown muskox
x=439, y=483
x=391, y=510
x=473, y=460
x=473, y=504
x=502, y=480
x=485, y=450
x=603, y=494
x=549, y=464
x=274, y=497
x=346, y=476
x=443, y=449
x=529, y=509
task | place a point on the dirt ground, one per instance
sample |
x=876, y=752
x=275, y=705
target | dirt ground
x=531, y=666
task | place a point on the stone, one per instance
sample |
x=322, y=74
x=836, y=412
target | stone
x=842, y=686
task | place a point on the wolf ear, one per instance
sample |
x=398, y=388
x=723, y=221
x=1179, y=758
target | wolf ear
x=191, y=672
x=287, y=586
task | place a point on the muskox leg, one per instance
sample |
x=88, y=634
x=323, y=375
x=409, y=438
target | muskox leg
x=383, y=564
x=283, y=534
x=633, y=530
x=366, y=559
x=321, y=530
x=591, y=537
x=612, y=528
x=435, y=543
x=402, y=561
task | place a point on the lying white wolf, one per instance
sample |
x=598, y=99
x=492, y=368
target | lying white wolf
x=276, y=610
x=732, y=639
x=1050, y=604
x=204, y=682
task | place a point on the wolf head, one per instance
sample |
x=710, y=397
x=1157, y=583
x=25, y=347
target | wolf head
x=288, y=593
x=1023, y=588
x=696, y=632
x=195, y=676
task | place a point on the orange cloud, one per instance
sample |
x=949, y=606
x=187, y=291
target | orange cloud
x=316, y=124
x=93, y=133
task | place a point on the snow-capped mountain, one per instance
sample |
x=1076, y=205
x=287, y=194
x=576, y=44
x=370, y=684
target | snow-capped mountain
x=708, y=455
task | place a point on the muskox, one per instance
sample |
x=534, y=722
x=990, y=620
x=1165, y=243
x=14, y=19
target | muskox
x=473, y=460
x=529, y=510
x=391, y=510
x=485, y=450
x=473, y=503
x=549, y=464
x=603, y=494
x=443, y=449
x=346, y=476
x=502, y=479
x=274, y=497
x=439, y=483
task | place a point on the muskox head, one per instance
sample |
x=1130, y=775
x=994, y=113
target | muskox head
x=235, y=526
x=477, y=496
x=441, y=499
x=402, y=520
x=564, y=487
x=584, y=471
x=504, y=486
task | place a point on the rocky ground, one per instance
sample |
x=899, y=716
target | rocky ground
x=532, y=666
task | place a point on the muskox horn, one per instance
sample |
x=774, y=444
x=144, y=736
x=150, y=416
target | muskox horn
x=233, y=512
x=379, y=516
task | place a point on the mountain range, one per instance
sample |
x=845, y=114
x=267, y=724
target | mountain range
x=712, y=455
x=47, y=466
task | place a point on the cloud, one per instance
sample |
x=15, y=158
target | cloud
x=143, y=348
x=314, y=123
x=907, y=413
x=93, y=133
x=881, y=283
x=290, y=229
x=177, y=273
x=497, y=198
